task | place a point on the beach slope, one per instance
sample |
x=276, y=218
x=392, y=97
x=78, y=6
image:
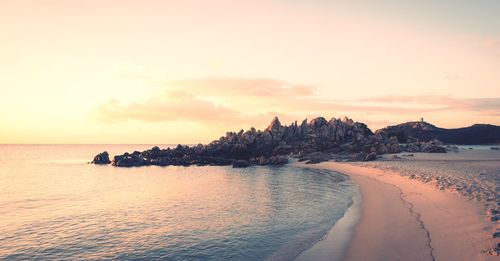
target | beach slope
x=403, y=218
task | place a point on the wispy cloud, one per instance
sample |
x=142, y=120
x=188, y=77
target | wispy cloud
x=172, y=105
x=179, y=105
x=356, y=106
x=489, y=106
x=419, y=99
x=245, y=101
x=452, y=77
x=230, y=86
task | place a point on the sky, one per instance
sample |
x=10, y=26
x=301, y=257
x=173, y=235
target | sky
x=162, y=72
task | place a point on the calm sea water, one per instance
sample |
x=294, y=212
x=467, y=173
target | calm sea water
x=53, y=205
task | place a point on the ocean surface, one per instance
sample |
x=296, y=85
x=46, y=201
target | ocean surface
x=53, y=205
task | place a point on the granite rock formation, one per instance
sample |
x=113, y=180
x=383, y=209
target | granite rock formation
x=101, y=158
x=314, y=141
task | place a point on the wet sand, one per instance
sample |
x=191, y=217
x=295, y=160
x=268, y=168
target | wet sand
x=406, y=218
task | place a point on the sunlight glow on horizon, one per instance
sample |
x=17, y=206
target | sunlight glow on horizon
x=186, y=72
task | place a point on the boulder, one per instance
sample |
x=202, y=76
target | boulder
x=262, y=160
x=240, y=164
x=123, y=161
x=275, y=125
x=278, y=160
x=370, y=157
x=432, y=148
x=361, y=156
x=101, y=158
x=429, y=147
x=317, y=122
x=315, y=157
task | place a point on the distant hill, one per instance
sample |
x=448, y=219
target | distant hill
x=423, y=131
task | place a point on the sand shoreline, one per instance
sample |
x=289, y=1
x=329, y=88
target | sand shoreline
x=334, y=245
x=406, y=219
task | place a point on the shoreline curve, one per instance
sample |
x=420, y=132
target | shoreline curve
x=404, y=219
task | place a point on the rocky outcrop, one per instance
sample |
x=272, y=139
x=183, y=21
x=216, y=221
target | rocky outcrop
x=433, y=146
x=314, y=141
x=101, y=158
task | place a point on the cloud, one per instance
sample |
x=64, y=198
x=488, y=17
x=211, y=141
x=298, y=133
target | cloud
x=241, y=100
x=172, y=105
x=452, y=77
x=276, y=94
x=356, y=106
x=236, y=101
x=420, y=99
x=230, y=86
x=490, y=106
x=380, y=122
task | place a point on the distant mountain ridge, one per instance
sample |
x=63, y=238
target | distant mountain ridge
x=477, y=134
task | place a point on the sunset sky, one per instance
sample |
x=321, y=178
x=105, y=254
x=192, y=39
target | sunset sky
x=104, y=71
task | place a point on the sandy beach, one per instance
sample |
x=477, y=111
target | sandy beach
x=411, y=208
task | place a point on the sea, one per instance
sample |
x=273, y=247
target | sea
x=54, y=205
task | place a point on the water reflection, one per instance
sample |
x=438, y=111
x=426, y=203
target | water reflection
x=54, y=208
